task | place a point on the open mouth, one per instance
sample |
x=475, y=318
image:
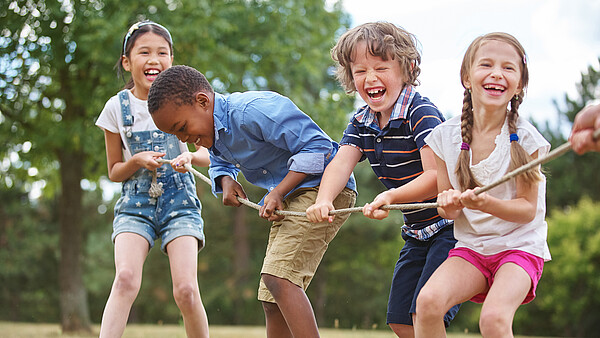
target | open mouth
x=151, y=74
x=493, y=88
x=375, y=94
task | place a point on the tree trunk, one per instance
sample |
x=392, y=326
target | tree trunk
x=241, y=260
x=74, y=312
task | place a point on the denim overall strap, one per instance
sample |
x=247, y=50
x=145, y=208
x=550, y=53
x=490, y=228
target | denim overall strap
x=156, y=188
x=126, y=112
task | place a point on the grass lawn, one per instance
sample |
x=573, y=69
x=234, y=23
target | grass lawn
x=28, y=330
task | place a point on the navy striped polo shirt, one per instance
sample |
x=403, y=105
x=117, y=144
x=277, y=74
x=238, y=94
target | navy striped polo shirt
x=394, y=151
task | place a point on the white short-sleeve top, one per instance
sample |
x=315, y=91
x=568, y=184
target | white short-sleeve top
x=111, y=119
x=482, y=232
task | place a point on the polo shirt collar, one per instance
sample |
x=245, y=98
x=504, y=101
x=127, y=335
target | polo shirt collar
x=366, y=116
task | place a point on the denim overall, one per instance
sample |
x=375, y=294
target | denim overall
x=176, y=212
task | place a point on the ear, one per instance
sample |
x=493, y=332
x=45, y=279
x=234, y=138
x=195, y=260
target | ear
x=467, y=83
x=125, y=63
x=519, y=89
x=202, y=99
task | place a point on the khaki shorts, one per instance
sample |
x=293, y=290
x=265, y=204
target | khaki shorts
x=296, y=246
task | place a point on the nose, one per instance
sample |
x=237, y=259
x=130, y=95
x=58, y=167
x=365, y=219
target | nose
x=496, y=73
x=370, y=76
x=153, y=58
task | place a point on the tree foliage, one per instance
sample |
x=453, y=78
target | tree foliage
x=571, y=176
x=28, y=252
x=568, y=302
x=56, y=74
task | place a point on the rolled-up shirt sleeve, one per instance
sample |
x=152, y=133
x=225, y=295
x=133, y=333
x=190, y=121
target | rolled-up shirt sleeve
x=286, y=127
x=218, y=168
x=308, y=163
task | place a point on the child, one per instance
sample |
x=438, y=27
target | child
x=277, y=147
x=501, y=234
x=381, y=62
x=156, y=201
x=586, y=121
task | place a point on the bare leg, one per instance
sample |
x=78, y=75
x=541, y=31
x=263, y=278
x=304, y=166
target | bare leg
x=402, y=330
x=293, y=305
x=454, y=282
x=276, y=324
x=510, y=287
x=130, y=252
x=183, y=257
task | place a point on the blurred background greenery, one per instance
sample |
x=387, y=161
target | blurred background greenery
x=56, y=257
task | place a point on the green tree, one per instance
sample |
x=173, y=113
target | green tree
x=56, y=74
x=572, y=176
x=568, y=299
x=49, y=94
x=28, y=238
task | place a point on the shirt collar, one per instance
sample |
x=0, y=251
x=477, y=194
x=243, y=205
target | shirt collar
x=366, y=116
x=220, y=114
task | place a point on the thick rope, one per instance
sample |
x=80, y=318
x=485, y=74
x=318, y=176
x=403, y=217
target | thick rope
x=412, y=206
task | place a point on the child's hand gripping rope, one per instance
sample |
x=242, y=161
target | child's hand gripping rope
x=410, y=206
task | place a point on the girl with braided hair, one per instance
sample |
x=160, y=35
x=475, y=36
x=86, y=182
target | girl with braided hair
x=501, y=234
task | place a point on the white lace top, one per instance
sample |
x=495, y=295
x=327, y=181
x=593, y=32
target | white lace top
x=480, y=231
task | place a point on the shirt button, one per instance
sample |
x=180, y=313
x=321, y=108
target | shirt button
x=271, y=188
x=155, y=135
x=156, y=148
x=378, y=140
x=264, y=172
x=237, y=165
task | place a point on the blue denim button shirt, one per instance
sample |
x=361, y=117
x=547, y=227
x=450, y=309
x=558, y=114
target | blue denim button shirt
x=264, y=135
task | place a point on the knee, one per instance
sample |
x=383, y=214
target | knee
x=429, y=305
x=186, y=295
x=274, y=284
x=494, y=323
x=127, y=283
x=270, y=308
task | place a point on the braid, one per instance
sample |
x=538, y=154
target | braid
x=518, y=155
x=463, y=172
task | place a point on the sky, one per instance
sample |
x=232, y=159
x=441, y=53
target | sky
x=561, y=39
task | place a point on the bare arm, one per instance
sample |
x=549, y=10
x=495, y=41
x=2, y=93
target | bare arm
x=119, y=171
x=199, y=158
x=419, y=189
x=334, y=180
x=521, y=209
x=448, y=198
